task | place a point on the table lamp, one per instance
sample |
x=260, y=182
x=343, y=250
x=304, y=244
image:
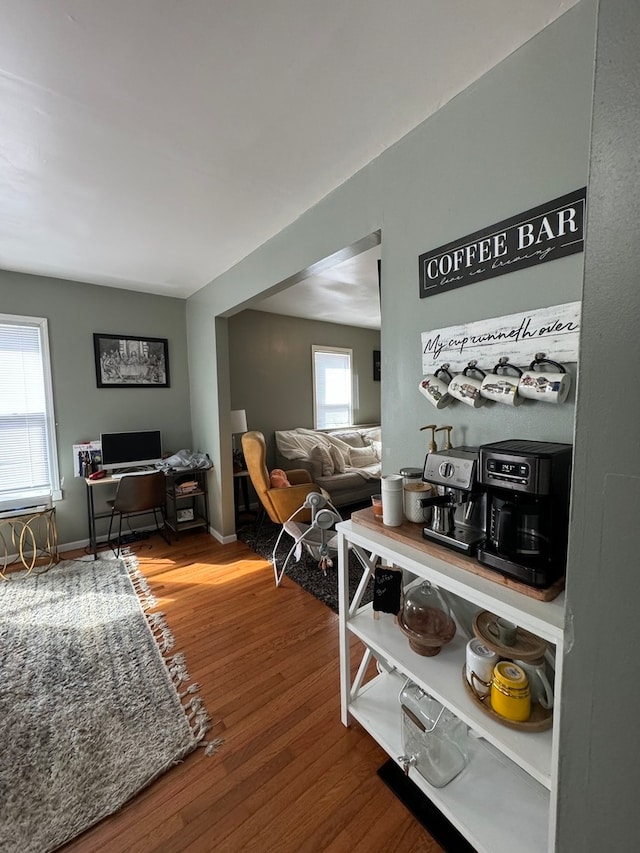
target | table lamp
x=238, y=426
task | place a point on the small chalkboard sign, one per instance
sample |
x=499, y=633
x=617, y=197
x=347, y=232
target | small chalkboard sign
x=387, y=587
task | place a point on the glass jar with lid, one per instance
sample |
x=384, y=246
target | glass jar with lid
x=433, y=739
x=426, y=619
x=414, y=489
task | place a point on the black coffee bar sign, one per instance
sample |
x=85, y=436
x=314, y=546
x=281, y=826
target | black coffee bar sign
x=545, y=233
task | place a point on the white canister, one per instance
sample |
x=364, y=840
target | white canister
x=392, y=509
x=413, y=494
x=479, y=666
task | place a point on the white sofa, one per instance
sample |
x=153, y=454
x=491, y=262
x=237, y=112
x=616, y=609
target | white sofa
x=344, y=462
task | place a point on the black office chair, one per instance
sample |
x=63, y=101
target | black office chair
x=139, y=494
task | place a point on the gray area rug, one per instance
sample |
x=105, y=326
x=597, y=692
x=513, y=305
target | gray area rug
x=261, y=537
x=92, y=705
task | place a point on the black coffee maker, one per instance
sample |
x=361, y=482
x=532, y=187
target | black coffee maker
x=527, y=493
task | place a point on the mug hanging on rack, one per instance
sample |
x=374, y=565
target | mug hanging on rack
x=467, y=388
x=435, y=389
x=501, y=387
x=545, y=385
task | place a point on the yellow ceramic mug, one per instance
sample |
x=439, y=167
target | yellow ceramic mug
x=510, y=696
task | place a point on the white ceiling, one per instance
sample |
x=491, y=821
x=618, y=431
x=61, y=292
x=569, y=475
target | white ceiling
x=346, y=293
x=152, y=144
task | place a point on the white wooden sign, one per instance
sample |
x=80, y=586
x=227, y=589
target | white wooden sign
x=553, y=331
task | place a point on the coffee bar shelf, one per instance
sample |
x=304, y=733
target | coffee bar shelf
x=445, y=568
x=511, y=773
x=532, y=751
x=485, y=800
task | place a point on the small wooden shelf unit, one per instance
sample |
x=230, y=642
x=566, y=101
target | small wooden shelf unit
x=195, y=500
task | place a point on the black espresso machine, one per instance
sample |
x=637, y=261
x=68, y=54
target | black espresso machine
x=527, y=504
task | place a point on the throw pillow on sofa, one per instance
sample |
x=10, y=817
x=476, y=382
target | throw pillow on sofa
x=372, y=434
x=321, y=457
x=353, y=439
x=361, y=457
x=339, y=461
x=376, y=446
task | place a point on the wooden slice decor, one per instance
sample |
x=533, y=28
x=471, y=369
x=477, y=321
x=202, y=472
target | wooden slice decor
x=410, y=533
x=526, y=647
x=540, y=720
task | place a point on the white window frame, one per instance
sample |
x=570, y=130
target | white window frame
x=22, y=495
x=343, y=351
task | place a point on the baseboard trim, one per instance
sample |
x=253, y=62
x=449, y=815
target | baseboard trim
x=223, y=540
x=102, y=540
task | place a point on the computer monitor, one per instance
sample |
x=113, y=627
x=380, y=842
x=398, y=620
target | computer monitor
x=130, y=449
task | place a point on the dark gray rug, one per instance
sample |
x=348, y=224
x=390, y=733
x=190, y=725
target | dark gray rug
x=421, y=807
x=90, y=702
x=261, y=537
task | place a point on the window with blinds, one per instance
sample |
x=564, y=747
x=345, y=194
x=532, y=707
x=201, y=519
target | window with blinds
x=332, y=383
x=28, y=457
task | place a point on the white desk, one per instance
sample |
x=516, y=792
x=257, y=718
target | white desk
x=173, y=525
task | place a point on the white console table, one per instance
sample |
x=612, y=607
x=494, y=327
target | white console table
x=505, y=798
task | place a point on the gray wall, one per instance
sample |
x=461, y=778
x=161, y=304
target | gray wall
x=518, y=137
x=74, y=312
x=271, y=371
x=515, y=139
x=599, y=771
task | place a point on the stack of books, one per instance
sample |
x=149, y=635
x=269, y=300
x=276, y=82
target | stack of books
x=187, y=487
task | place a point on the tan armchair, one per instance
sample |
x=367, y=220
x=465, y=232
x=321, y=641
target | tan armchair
x=281, y=503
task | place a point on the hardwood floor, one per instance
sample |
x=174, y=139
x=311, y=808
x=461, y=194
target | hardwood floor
x=289, y=776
